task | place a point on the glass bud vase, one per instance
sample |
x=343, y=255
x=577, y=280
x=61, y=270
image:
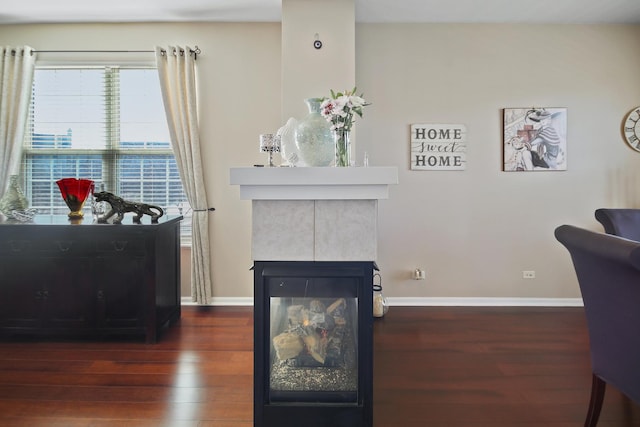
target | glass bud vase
x=342, y=148
x=313, y=136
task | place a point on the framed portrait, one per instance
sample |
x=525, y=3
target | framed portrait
x=535, y=139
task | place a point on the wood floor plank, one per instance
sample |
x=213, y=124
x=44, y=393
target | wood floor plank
x=433, y=366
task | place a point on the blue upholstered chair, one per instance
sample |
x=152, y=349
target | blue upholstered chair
x=620, y=222
x=608, y=271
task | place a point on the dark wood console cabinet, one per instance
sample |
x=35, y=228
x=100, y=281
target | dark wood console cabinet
x=61, y=278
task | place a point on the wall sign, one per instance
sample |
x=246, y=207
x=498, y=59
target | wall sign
x=438, y=147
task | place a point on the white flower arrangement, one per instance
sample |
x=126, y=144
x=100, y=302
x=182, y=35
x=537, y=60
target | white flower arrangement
x=340, y=110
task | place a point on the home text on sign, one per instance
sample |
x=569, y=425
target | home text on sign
x=438, y=147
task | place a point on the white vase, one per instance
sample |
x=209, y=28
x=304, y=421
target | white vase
x=288, y=149
x=314, y=137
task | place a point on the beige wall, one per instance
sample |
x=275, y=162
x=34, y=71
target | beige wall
x=475, y=231
x=472, y=231
x=308, y=72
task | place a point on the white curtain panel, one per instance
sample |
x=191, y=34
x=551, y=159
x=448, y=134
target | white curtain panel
x=176, y=67
x=16, y=79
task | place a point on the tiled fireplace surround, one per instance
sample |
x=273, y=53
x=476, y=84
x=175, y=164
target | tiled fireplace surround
x=314, y=230
x=314, y=214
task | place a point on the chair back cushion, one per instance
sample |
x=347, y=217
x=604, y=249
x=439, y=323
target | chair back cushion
x=620, y=222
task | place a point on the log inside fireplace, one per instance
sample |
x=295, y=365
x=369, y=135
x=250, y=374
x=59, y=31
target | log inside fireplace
x=315, y=346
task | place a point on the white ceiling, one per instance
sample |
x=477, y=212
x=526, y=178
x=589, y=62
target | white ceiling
x=459, y=11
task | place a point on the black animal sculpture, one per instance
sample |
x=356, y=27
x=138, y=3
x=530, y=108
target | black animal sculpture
x=119, y=207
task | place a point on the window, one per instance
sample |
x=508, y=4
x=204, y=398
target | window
x=106, y=124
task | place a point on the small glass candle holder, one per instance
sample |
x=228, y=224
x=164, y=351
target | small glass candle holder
x=270, y=143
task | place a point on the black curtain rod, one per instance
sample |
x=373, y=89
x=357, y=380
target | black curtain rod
x=195, y=52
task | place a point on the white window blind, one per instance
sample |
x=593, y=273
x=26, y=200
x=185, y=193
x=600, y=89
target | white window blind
x=106, y=124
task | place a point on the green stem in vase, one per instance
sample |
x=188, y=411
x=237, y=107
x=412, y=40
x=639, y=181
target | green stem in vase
x=342, y=149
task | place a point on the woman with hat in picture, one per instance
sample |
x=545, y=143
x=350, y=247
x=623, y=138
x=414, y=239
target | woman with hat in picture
x=546, y=145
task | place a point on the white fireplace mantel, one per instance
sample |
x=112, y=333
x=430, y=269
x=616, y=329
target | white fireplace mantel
x=314, y=183
x=314, y=214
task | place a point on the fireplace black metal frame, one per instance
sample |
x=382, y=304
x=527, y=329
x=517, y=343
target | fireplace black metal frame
x=323, y=409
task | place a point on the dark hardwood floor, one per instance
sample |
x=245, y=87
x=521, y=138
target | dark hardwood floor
x=434, y=366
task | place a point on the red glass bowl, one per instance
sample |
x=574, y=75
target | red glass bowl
x=75, y=192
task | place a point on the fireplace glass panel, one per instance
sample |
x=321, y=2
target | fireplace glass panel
x=313, y=335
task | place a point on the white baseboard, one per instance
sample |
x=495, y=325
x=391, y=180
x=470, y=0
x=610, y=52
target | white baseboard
x=485, y=302
x=431, y=302
x=229, y=301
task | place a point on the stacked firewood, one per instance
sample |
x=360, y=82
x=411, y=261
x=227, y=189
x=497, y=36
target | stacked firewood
x=315, y=335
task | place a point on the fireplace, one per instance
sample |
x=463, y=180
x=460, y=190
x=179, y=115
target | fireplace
x=313, y=332
x=314, y=246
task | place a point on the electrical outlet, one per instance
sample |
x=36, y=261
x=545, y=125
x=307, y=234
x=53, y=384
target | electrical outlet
x=528, y=274
x=419, y=274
